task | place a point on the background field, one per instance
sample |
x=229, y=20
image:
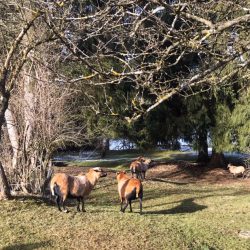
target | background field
x=183, y=209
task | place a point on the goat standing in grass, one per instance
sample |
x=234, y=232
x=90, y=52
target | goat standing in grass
x=139, y=167
x=236, y=170
x=129, y=189
x=65, y=186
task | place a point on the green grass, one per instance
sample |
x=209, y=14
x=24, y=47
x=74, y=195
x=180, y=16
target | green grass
x=191, y=216
x=122, y=159
x=183, y=216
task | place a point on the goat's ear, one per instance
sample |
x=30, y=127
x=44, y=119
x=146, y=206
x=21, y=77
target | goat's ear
x=117, y=173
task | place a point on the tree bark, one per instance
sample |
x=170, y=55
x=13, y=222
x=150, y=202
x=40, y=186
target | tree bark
x=104, y=147
x=28, y=109
x=4, y=186
x=13, y=135
x=202, y=146
x=217, y=160
x=4, y=101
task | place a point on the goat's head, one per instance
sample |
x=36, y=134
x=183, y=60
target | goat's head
x=98, y=172
x=120, y=175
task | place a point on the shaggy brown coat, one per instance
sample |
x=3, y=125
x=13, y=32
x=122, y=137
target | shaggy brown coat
x=79, y=187
x=139, y=167
x=129, y=189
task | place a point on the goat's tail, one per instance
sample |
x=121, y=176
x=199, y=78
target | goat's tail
x=52, y=188
x=55, y=189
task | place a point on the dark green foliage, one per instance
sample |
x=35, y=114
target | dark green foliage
x=240, y=120
x=194, y=112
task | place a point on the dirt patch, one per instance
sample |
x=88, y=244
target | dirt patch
x=71, y=170
x=193, y=173
x=182, y=172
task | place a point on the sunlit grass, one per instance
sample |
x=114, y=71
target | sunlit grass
x=191, y=216
x=122, y=159
x=175, y=216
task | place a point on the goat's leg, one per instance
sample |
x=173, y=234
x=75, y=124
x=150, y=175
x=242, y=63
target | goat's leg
x=143, y=175
x=140, y=200
x=78, y=204
x=121, y=204
x=123, y=210
x=65, y=210
x=243, y=175
x=58, y=199
x=130, y=206
x=139, y=175
x=83, y=208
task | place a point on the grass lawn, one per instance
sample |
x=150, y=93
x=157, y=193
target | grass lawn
x=121, y=159
x=191, y=216
x=176, y=215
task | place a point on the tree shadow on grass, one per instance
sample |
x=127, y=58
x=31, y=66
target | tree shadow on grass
x=161, y=193
x=170, y=181
x=186, y=206
x=28, y=246
x=48, y=201
x=70, y=203
x=37, y=199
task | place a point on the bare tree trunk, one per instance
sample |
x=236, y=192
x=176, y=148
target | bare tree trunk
x=11, y=65
x=13, y=135
x=104, y=147
x=28, y=109
x=4, y=185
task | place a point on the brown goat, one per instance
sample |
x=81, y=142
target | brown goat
x=139, y=167
x=79, y=187
x=129, y=189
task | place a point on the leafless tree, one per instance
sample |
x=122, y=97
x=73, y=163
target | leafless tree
x=50, y=126
x=147, y=43
x=37, y=118
x=13, y=57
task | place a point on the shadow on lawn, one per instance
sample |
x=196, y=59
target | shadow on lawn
x=51, y=202
x=37, y=199
x=170, y=181
x=162, y=193
x=186, y=206
x=28, y=246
